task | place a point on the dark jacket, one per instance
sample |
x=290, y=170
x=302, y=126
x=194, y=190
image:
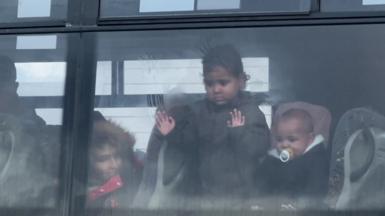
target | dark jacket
x=302, y=182
x=217, y=161
x=228, y=157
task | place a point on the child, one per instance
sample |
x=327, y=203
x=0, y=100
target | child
x=296, y=170
x=226, y=131
x=114, y=171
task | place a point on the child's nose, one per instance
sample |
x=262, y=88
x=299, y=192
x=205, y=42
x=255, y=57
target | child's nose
x=114, y=163
x=217, y=88
x=283, y=144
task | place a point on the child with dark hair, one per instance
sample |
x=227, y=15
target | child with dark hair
x=296, y=170
x=226, y=132
x=115, y=173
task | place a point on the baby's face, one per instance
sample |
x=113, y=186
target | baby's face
x=291, y=133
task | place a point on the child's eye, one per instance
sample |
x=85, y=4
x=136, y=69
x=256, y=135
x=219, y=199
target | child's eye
x=292, y=139
x=223, y=82
x=208, y=83
x=102, y=158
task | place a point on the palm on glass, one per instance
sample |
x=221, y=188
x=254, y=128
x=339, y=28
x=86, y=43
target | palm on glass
x=164, y=122
x=237, y=119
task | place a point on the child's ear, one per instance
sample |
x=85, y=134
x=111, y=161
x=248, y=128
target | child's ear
x=242, y=80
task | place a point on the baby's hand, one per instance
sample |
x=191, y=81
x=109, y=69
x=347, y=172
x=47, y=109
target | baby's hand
x=237, y=119
x=164, y=122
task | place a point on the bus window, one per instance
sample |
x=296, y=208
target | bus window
x=352, y=6
x=148, y=8
x=31, y=93
x=283, y=64
x=20, y=11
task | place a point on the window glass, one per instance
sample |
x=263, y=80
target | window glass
x=176, y=92
x=352, y=5
x=162, y=76
x=41, y=78
x=129, y=8
x=103, y=78
x=213, y=4
x=31, y=93
x=30, y=10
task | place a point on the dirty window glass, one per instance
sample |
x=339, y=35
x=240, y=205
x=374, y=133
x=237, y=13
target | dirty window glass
x=31, y=93
x=200, y=112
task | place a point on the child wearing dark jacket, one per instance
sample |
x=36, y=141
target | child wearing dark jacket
x=224, y=135
x=296, y=170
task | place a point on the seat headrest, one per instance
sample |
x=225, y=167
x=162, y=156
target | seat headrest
x=364, y=162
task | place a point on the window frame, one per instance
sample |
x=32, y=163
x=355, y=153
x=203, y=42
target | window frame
x=81, y=68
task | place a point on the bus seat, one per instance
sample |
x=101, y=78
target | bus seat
x=23, y=181
x=350, y=123
x=165, y=194
x=364, y=176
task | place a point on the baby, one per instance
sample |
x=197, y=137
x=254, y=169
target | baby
x=296, y=170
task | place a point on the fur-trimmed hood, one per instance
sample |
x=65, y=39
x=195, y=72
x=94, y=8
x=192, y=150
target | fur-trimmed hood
x=112, y=129
x=125, y=139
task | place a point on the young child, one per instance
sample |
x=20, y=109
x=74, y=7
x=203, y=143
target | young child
x=226, y=133
x=296, y=170
x=114, y=171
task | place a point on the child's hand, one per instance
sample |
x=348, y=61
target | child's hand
x=237, y=119
x=164, y=122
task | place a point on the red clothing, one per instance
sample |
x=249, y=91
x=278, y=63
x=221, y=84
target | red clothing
x=107, y=189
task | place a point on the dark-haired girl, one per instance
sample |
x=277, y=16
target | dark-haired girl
x=228, y=132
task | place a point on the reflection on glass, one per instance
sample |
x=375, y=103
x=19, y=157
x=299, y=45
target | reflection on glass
x=103, y=78
x=129, y=8
x=215, y=4
x=41, y=78
x=36, y=42
x=373, y=2
x=184, y=76
x=166, y=5
x=30, y=132
x=52, y=116
x=31, y=8
x=352, y=5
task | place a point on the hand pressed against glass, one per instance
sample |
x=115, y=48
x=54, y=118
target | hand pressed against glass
x=164, y=122
x=237, y=119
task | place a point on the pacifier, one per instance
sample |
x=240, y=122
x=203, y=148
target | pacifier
x=286, y=155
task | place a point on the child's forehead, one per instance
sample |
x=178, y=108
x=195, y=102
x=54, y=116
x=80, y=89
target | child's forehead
x=292, y=124
x=105, y=149
x=290, y=120
x=219, y=75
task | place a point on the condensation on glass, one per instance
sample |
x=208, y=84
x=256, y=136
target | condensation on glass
x=31, y=93
x=322, y=73
x=130, y=8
